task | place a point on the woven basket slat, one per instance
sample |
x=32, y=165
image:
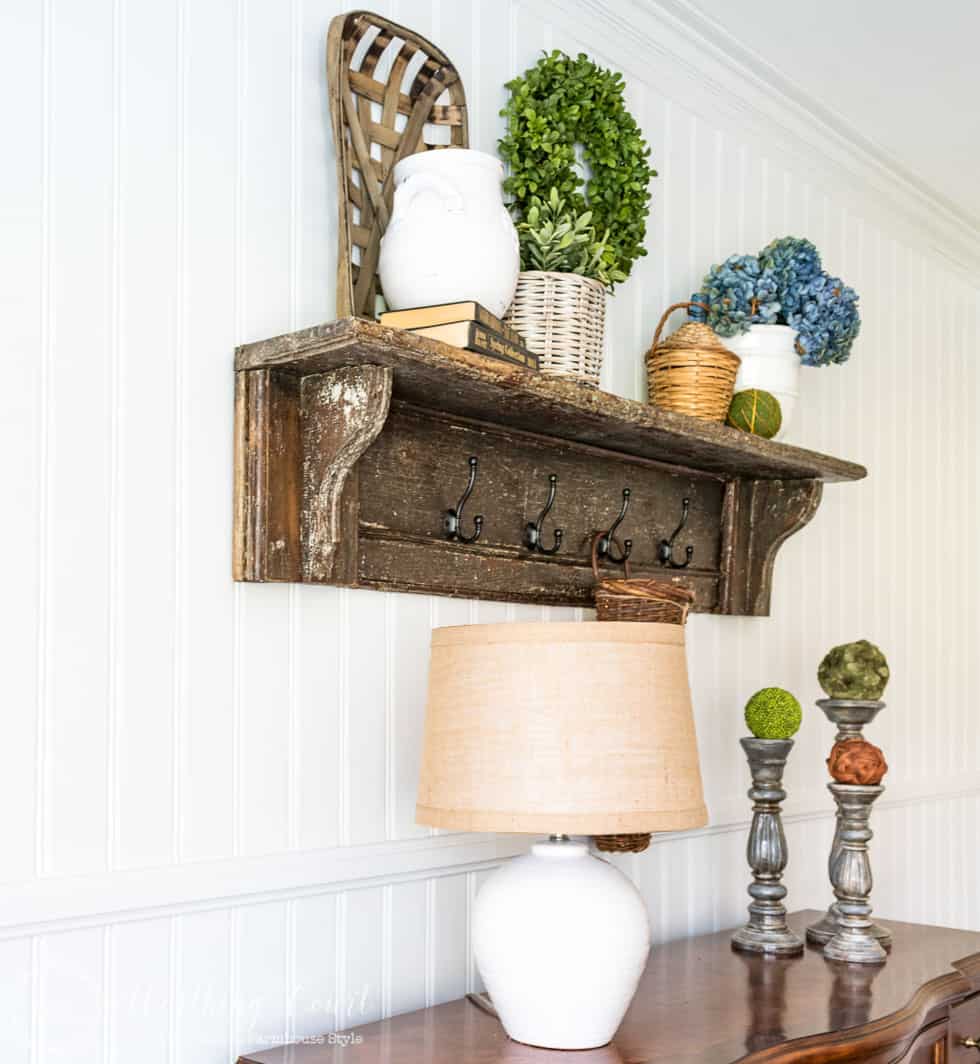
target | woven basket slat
x=691, y=372
x=366, y=183
x=562, y=319
x=365, y=85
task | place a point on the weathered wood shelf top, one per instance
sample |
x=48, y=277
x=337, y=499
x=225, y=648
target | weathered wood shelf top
x=430, y=373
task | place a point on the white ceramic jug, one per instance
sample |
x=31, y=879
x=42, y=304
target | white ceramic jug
x=450, y=237
x=769, y=362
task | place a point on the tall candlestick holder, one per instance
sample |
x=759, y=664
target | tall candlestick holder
x=850, y=716
x=850, y=873
x=767, y=931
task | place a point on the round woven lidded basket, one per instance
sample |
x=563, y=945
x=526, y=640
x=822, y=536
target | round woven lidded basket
x=562, y=317
x=691, y=372
x=636, y=600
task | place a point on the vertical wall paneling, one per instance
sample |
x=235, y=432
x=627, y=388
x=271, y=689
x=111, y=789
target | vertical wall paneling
x=407, y=946
x=208, y=300
x=139, y=997
x=72, y=1000
x=262, y=798
x=16, y=993
x=264, y=262
x=450, y=938
x=23, y=298
x=317, y=666
x=362, y=991
x=204, y=983
x=410, y=652
x=78, y=461
x=147, y=220
x=367, y=694
x=230, y=771
x=261, y=977
x=312, y=988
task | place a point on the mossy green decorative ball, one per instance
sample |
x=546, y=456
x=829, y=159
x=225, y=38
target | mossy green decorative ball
x=854, y=670
x=757, y=412
x=773, y=713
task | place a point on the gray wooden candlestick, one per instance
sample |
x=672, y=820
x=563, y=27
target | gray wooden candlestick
x=766, y=931
x=851, y=876
x=850, y=716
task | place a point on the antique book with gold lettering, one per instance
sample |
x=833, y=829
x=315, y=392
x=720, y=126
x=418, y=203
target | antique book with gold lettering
x=472, y=336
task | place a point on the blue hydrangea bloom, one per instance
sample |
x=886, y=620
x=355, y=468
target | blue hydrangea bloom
x=827, y=321
x=795, y=263
x=739, y=293
x=785, y=284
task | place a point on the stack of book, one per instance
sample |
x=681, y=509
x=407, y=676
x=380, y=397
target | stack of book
x=468, y=325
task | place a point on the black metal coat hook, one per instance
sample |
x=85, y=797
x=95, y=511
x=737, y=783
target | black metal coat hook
x=532, y=530
x=453, y=518
x=604, y=548
x=665, y=549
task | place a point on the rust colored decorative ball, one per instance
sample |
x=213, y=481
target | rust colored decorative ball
x=857, y=761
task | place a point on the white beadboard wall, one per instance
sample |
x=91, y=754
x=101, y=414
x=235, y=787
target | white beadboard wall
x=208, y=840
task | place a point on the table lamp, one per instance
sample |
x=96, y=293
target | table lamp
x=560, y=729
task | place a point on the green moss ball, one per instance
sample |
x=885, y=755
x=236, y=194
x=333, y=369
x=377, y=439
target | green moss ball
x=757, y=412
x=773, y=713
x=854, y=670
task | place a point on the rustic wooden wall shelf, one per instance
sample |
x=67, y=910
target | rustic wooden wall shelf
x=353, y=440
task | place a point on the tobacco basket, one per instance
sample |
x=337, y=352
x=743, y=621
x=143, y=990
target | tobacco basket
x=378, y=118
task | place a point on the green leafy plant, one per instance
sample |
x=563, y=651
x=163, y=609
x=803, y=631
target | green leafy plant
x=562, y=102
x=553, y=238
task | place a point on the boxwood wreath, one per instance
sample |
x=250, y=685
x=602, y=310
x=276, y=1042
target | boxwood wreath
x=561, y=102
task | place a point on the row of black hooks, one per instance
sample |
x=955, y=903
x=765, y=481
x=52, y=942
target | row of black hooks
x=534, y=536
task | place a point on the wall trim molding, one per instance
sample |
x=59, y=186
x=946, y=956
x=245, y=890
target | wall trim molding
x=817, y=805
x=814, y=803
x=70, y=903
x=738, y=83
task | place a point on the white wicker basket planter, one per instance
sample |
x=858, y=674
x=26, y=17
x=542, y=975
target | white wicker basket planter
x=561, y=317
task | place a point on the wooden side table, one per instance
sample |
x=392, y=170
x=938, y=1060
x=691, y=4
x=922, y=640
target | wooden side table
x=699, y=1002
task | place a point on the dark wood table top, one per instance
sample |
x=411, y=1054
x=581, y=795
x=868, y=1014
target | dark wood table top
x=699, y=1002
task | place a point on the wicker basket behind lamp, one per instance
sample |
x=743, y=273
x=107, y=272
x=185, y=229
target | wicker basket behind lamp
x=562, y=317
x=636, y=600
x=691, y=372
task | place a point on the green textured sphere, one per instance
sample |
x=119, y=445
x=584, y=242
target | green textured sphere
x=773, y=713
x=854, y=670
x=757, y=412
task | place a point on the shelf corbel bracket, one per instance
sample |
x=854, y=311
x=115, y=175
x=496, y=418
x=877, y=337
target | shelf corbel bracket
x=758, y=516
x=341, y=414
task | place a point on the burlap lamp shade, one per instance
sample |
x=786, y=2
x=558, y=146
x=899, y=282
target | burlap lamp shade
x=574, y=728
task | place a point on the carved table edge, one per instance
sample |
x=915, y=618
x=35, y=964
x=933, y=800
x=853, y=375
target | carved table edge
x=969, y=968
x=891, y=1035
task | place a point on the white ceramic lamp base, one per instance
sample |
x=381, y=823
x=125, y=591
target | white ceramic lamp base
x=560, y=938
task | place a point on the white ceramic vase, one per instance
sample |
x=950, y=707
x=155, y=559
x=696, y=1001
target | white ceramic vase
x=560, y=937
x=769, y=362
x=450, y=237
